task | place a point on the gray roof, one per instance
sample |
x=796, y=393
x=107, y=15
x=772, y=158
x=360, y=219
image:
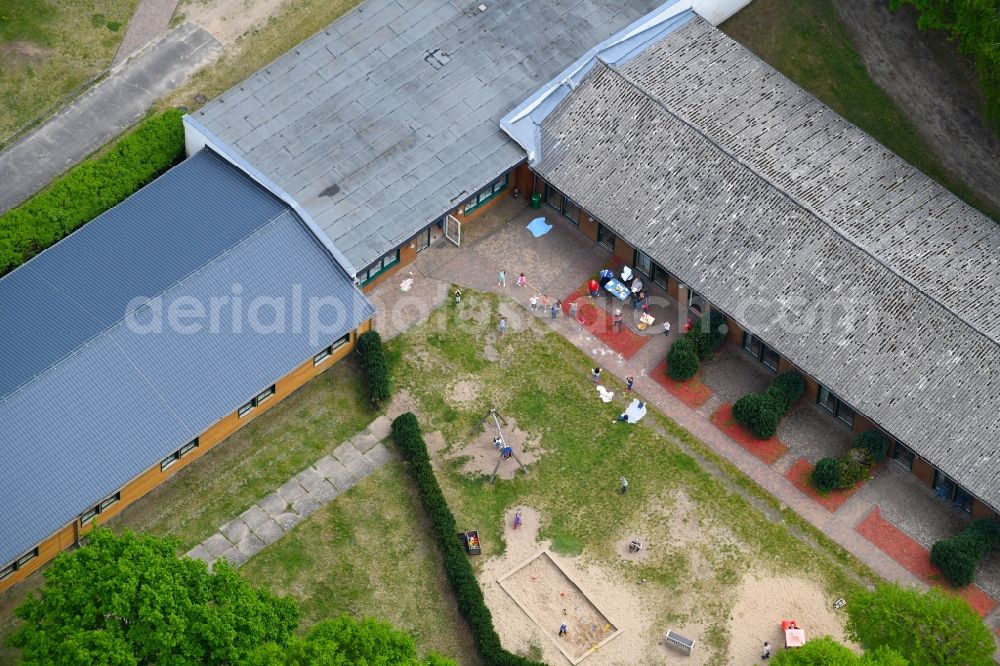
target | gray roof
x=794, y=221
x=88, y=400
x=364, y=106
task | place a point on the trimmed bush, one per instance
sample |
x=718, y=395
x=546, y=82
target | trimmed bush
x=762, y=413
x=959, y=556
x=874, y=444
x=458, y=569
x=757, y=414
x=91, y=188
x=682, y=362
x=854, y=466
x=827, y=474
x=785, y=391
x=376, y=367
x=706, y=341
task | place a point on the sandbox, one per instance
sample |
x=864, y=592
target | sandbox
x=550, y=598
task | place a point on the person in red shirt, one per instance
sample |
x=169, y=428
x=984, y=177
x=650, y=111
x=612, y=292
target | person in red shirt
x=593, y=287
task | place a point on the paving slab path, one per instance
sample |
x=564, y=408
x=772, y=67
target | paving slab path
x=304, y=494
x=151, y=18
x=101, y=113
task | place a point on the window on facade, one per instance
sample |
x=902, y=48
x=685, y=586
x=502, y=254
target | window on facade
x=660, y=276
x=553, y=197
x=89, y=515
x=696, y=302
x=963, y=500
x=245, y=409
x=572, y=212
x=903, y=455
x=752, y=344
x=770, y=358
x=188, y=448
x=328, y=352
x=605, y=237
x=266, y=394
x=169, y=461
x=643, y=264
x=27, y=557
x=383, y=264
x=110, y=501
x=17, y=564
x=424, y=239
x=486, y=194
x=835, y=405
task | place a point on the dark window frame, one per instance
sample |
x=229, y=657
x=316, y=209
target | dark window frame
x=903, y=455
x=27, y=557
x=424, y=239
x=327, y=352
x=383, y=264
x=602, y=237
x=487, y=193
x=842, y=411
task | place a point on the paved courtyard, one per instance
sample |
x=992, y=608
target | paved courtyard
x=559, y=262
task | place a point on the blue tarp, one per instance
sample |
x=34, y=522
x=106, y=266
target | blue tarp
x=537, y=227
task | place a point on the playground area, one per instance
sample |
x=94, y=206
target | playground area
x=673, y=549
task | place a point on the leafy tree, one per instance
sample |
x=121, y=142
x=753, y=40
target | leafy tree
x=927, y=628
x=976, y=26
x=682, y=361
x=347, y=642
x=825, y=651
x=127, y=600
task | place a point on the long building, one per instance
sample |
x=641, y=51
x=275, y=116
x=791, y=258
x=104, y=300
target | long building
x=682, y=152
x=142, y=340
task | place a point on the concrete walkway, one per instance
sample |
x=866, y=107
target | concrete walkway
x=301, y=496
x=151, y=18
x=102, y=112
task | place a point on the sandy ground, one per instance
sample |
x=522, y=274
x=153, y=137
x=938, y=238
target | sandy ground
x=481, y=456
x=228, y=19
x=760, y=602
x=935, y=89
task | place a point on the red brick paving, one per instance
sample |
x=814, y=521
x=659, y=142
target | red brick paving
x=692, y=392
x=799, y=474
x=896, y=544
x=768, y=450
x=597, y=321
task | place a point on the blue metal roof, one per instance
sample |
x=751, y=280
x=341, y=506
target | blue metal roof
x=91, y=398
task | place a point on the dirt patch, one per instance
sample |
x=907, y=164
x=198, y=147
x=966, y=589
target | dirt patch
x=933, y=85
x=226, y=20
x=763, y=602
x=401, y=403
x=23, y=52
x=464, y=391
x=482, y=455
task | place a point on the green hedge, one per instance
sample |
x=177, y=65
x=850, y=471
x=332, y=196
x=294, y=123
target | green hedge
x=682, y=361
x=458, y=569
x=874, y=444
x=376, y=367
x=826, y=475
x=91, y=188
x=959, y=556
x=762, y=413
x=868, y=449
x=706, y=341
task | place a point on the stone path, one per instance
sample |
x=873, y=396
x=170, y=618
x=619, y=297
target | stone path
x=151, y=18
x=102, y=112
x=301, y=496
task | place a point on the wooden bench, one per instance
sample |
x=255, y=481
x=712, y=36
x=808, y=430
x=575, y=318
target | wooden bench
x=678, y=642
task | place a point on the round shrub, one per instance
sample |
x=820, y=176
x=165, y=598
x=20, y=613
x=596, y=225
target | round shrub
x=684, y=342
x=682, y=363
x=956, y=560
x=756, y=413
x=785, y=390
x=827, y=474
x=985, y=532
x=874, y=444
x=854, y=466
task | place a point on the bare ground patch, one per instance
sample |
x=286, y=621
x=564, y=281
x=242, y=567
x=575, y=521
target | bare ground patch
x=226, y=20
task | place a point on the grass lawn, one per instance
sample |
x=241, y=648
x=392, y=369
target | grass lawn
x=807, y=42
x=278, y=444
x=541, y=381
x=49, y=47
x=298, y=20
x=369, y=553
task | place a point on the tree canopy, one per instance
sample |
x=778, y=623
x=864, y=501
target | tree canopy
x=927, y=628
x=825, y=651
x=124, y=600
x=347, y=642
x=976, y=26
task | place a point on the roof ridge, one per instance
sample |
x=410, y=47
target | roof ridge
x=118, y=322
x=601, y=65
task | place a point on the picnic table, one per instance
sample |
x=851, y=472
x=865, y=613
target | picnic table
x=617, y=289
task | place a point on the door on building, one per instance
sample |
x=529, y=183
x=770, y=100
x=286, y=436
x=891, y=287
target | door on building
x=904, y=456
x=453, y=230
x=605, y=237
